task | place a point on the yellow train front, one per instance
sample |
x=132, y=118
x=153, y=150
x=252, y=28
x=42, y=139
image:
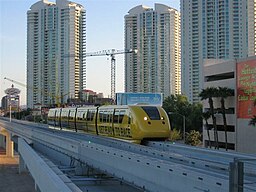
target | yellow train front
x=132, y=123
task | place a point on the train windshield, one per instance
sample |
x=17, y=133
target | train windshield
x=152, y=112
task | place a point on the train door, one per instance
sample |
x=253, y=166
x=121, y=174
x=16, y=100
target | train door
x=80, y=119
x=58, y=118
x=105, y=126
x=52, y=117
x=64, y=118
x=121, y=123
x=90, y=123
x=72, y=119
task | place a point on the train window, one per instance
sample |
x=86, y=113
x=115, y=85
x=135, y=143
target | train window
x=80, y=115
x=152, y=112
x=71, y=115
x=90, y=114
x=115, y=118
x=105, y=116
x=121, y=116
x=110, y=117
x=101, y=116
x=129, y=118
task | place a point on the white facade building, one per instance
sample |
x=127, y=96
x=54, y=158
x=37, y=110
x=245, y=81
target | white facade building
x=55, y=48
x=155, y=34
x=213, y=29
x=239, y=108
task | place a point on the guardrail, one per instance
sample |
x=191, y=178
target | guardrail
x=45, y=178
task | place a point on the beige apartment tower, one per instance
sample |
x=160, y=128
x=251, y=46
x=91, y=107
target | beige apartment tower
x=155, y=34
x=55, y=50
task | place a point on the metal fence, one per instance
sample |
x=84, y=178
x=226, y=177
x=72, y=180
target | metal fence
x=242, y=175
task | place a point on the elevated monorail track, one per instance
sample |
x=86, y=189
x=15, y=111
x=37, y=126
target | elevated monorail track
x=158, y=166
x=197, y=157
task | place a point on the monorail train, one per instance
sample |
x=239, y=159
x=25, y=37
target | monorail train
x=133, y=123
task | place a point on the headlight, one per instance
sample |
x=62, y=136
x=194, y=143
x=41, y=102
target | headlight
x=145, y=118
x=162, y=118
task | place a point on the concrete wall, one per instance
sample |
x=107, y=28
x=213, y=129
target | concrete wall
x=246, y=137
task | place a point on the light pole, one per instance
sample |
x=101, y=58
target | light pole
x=184, y=123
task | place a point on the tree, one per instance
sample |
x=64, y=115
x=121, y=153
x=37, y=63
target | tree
x=206, y=115
x=209, y=93
x=253, y=119
x=179, y=106
x=223, y=93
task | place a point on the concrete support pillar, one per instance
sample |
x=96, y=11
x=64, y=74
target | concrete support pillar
x=9, y=145
x=22, y=165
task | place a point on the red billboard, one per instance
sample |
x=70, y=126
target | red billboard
x=246, y=89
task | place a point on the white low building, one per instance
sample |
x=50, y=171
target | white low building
x=239, y=75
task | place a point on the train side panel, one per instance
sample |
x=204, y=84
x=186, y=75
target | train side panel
x=51, y=117
x=86, y=118
x=133, y=123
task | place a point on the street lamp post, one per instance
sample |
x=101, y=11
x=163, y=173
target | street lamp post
x=184, y=123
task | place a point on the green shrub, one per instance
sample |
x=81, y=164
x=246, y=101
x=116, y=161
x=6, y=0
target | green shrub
x=193, y=138
x=175, y=135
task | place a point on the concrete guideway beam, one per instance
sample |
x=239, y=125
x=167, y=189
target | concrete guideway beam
x=45, y=178
x=148, y=173
x=208, y=158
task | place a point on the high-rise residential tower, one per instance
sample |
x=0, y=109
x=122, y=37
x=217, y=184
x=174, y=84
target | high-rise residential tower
x=155, y=34
x=55, y=49
x=213, y=29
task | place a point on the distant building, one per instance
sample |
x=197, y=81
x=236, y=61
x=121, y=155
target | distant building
x=213, y=29
x=89, y=95
x=4, y=103
x=239, y=75
x=55, y=46
x=12, y=98
x=155, y=34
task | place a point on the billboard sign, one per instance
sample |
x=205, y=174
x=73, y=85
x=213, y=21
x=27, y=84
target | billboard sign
x=246, y=89
x=139, y=98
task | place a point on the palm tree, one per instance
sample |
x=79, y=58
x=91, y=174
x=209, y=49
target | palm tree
x=223, y=93
x=206, y=115
x=209, y=93
x=253, y=120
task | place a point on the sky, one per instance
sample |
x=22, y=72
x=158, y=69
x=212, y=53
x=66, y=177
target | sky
x=104, y=30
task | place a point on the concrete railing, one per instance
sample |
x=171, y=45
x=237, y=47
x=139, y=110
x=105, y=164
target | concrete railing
x=45, y=178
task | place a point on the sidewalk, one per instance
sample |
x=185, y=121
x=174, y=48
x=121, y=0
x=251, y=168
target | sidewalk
x=10, y=179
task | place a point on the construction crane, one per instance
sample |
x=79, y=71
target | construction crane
x=111, y=53
x=42, y=91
